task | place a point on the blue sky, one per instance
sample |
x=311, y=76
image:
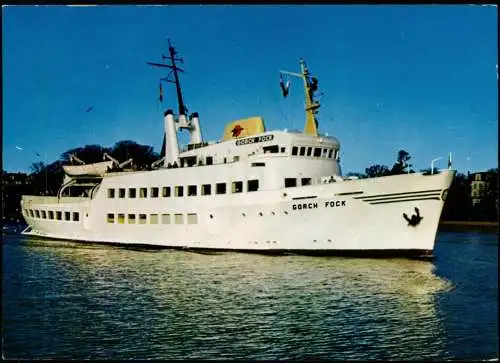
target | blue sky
x=419, y=78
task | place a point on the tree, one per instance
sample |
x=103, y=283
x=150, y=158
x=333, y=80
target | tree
x=143, y=155
x=89, y=153
x=402, y=163
x=376, y=171
x=458, y=204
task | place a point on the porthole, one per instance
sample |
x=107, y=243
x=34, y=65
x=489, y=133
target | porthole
x=211, y=216
x=260, y=214
x=243, y=214
x=274, y=242
x=329, y=240
x=272, y=213
x=285, y=212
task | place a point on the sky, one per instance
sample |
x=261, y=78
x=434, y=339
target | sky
x=422, y=78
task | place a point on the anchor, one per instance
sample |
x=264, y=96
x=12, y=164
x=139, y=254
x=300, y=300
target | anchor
x=415, y=218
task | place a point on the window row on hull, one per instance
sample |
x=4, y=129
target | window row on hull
x=53, y=215
x=182, y=190
x=155, y=218
x=317, y=152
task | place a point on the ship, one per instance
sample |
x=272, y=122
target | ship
x=254, y=190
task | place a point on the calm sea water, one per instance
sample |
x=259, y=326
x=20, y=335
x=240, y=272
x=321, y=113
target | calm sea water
x=68, y=300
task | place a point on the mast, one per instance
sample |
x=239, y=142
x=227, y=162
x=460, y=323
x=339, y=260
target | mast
x=174, y=69
x=310, y=87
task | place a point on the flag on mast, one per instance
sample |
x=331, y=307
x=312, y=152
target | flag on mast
x=284, y=87
x=161, y=93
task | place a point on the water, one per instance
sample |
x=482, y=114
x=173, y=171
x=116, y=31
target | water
x=69, y=300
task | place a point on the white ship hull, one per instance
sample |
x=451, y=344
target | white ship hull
x=323, y=218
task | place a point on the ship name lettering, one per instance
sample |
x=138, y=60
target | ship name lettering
x=335, y=203
x=304, y=206
x=253, y=140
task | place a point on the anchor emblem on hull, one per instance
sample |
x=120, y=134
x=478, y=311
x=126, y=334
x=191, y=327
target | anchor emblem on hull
x=415, y=218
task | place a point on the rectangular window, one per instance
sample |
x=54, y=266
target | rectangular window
x=283, y=149
x=51, y=214
x=191, y=190
x=111, y=193
x=206, y=189
x=131, y=192
x=336, y=155
x=143, y=192
x=131, y=219
x=330, y=153
x=165, y=192
x=178, y=218
x=59, y=215
x=306, y=181
x=210, y=160
x=317, y=152
x=302, y=150
x=44, y=214
x=111, y=218
x=31, y=213
x=37, y=213
x=271, y=149
x=220, y=188
x=252, y=185
x=179, y=190
x=237, y=187
x=142, y=218
x=325, y=152
x=258, y=164
x=76, y=216
x=153, y=219
x=155, y=192
x=121, y=193
x=192, y=218
x=290, y=182
x=165, y=218
x=309, y=151
x=295, y=149
x=121, y=218
x=236, y=158
x=67, y=216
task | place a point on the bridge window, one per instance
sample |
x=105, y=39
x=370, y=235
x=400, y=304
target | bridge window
x=336, y=154
x=325, y=151
x=210, y=160
x=67, y=216
x=76, y=216
x=142, y=218
x=302, y=150
x=191, y=190
x=131, y=192
x=290, y=182
x=309, y=151
x=44, y=214
x=237, y=187
x=165, y=218
x=59, y=215
x=295, y=149
x=220, y=188
x=317, y=152
x=31, y=213
x=121, y=218
x=153, y=219
x=51, y=214
x=252, y=185
x=131, y=219
x=155, y=192
x=206, y=189
x=258, y=164
x=143, y=192
x=192, y=218
x=271, y=149
x=306, y=181
x=178, y=218
x=165, y=192
x=110, y=218
x=37, y=213
x=121, y=193
x=330, y=152
x=179, y=191
x=111, y=193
